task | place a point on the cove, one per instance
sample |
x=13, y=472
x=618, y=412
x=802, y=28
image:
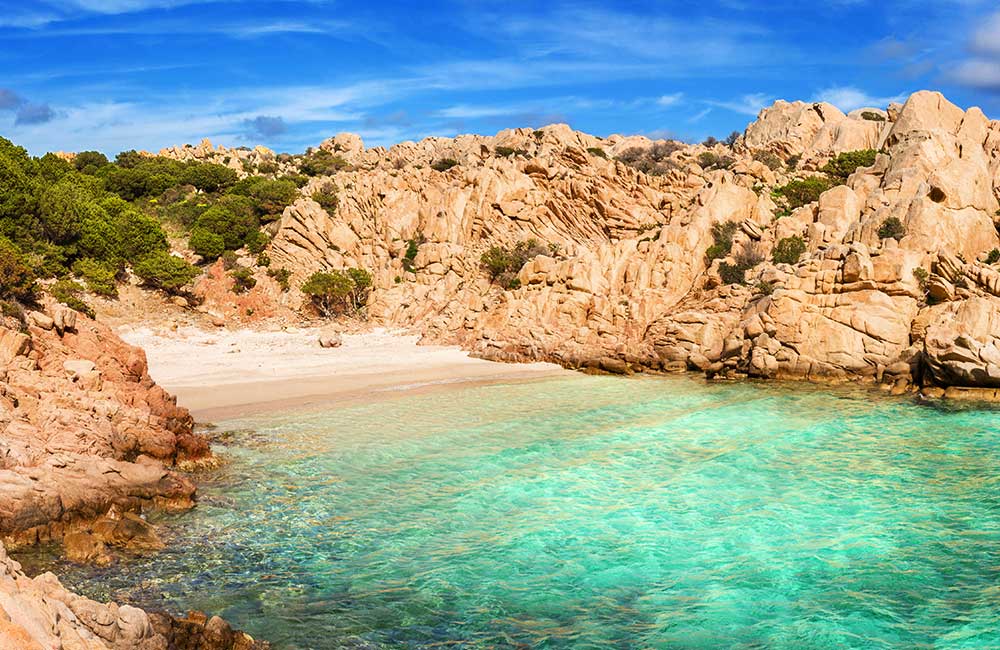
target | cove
x=593, y=512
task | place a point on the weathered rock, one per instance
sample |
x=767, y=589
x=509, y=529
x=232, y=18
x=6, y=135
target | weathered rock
x=330, y=340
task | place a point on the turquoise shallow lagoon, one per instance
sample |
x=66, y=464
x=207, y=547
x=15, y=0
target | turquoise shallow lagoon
x=595, y=512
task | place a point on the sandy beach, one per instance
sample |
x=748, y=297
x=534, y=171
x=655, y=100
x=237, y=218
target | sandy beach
x=222, y=374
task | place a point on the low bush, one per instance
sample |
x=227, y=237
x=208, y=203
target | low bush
x=444, y=164
x=68, y=291
x=327, y=197
x=412, y=248
x=207, y=244
x=281, y=276
x=921, y=275
x=161, y=270
x=338, y=292
x=770, y=160
x=711, y=160
x=504, y=263
x=507, y=152
x=803, y=191
x=844, y=164
x=993, y=256
x=597, y=151
x=892, y=228
x=256, y=242
x=872, y=116
x=788, y=250
x=17, y=279
x=100, y=277
x=320, y=162
x=654, y=160
x=243, y=279
x=732, y=273
x=722, y=235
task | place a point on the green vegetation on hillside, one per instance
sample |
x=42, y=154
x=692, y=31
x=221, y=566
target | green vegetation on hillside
x=336, y=293
x=91, y=218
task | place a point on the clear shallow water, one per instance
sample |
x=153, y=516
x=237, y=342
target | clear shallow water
x=596, y=512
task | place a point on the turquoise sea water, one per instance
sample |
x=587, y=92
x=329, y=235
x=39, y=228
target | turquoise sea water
x=596, y=512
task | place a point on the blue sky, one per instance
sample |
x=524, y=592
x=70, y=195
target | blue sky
x=121, y=74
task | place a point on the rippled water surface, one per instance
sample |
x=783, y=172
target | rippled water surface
x=596, y=512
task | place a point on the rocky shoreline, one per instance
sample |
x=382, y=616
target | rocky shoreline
x=90, y=444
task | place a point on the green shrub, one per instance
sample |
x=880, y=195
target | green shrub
x=243, y=279
x=162, y=270
x=711, y=160
x=233, y=227
x=993, y=257
x=732, y=273
x=327, y=197
x=267, y=168
x=100, y=277
x=89, y=162
x=892, y=228
x=872, y=116
x=921, y=275
x=844, y=164
x=507, y=152
x=444, y=164
x=17, y=279
x=257, y=241
x=503, y=263
x=789, y=250
x=772, y=161
x=207, y=177
x=207, y=244
x=597, y=151
x=338, y=292
x=281, y=276
x=764, y=288
x=263, y=259
x=269, y=197
x=412, y=248
x=321, y=162
x=722, y=236
x=67, y=291
x=801, y=192
x=230, y=261
x=793, y=161
x=654, y=160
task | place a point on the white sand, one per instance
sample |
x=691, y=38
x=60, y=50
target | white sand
x=220, y=374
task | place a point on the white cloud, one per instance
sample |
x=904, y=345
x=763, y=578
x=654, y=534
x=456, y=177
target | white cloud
x=746, y=105
x=700, y=115
x=848, y=98
x=986, y=39
x=670, y=100
x=978, y=73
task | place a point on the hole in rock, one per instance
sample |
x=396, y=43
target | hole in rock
x=937, y=194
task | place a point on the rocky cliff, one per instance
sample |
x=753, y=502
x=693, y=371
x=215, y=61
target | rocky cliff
x=626, y=283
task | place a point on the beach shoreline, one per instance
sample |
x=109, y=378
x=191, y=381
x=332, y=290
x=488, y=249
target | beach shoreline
x=226, y=374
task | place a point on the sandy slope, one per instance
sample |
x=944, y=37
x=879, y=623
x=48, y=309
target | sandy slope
x=222, y=373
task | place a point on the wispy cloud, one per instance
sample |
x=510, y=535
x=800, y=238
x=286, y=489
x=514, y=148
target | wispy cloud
x=699, y=116
x=746, y=104
x=670, y=100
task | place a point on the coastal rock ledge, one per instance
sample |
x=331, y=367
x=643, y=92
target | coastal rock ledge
x=88, y=443
x=40, y=614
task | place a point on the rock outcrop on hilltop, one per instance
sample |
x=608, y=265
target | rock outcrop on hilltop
x=627, y=285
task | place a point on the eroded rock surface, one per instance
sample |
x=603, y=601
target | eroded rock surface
x=627, y=277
